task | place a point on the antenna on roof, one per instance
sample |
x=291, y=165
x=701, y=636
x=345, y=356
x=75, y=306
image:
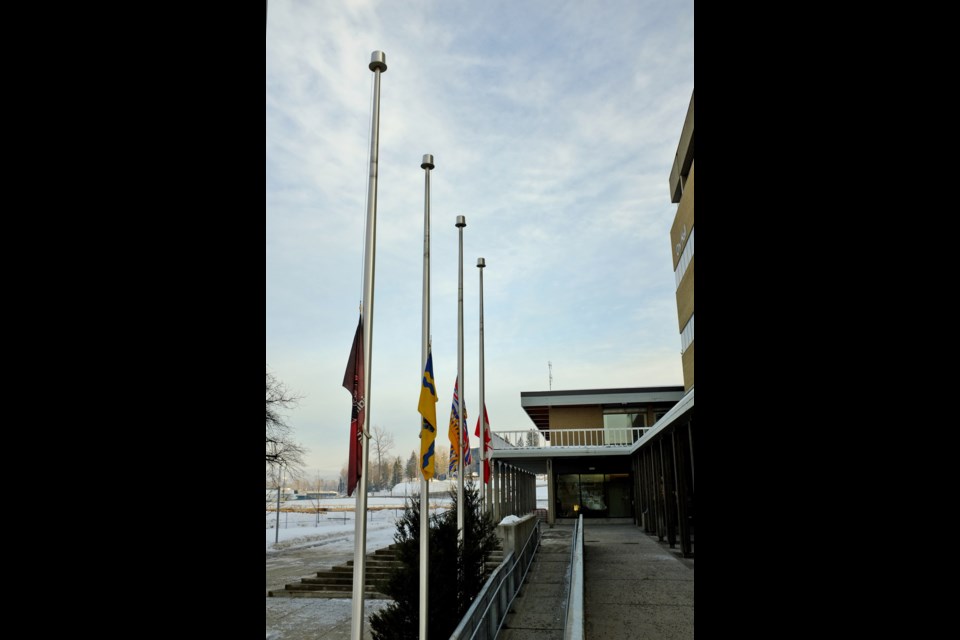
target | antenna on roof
x=550, y=367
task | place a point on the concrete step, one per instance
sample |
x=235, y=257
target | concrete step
x=308, y=590
x=342, y=580
x=368, y=594
x=348, y=572
x=494, y=560
x=377, y=562
x=391, y=550
x=337, y=582
x=308, y=586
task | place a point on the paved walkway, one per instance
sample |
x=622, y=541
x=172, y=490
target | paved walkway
x=316, y=618
x=539, y=610
x=634, y=587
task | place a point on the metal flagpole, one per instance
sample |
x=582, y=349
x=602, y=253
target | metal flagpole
x=378, y=64
x=276, y=538
x=461, y=223
x=426, y=165
x=481, y=263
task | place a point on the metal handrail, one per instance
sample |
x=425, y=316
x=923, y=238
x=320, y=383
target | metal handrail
x=486, y=615
x=573, y=627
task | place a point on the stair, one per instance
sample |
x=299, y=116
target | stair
x=337, y=582
x=493, y=561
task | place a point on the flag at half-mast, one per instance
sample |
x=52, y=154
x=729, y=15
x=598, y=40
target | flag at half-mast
x=487, y=444
x=353, y=382
x=428, y=424
x=458, y=443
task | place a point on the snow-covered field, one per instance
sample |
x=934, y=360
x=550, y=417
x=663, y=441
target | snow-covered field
x=333, y=527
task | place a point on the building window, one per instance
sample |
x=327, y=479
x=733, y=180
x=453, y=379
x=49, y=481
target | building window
x=594, y=495
x=685, y=259
x=686, y=336
x=619, y=424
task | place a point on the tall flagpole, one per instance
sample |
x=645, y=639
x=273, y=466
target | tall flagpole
x=461, y=223
x=481, y=263
x=378, y=64
x=426, y=165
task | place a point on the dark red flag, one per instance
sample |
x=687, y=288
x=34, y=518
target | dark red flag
x=488, y=445
x=353, y=382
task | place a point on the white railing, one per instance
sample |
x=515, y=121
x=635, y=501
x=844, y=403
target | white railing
x=599, y=437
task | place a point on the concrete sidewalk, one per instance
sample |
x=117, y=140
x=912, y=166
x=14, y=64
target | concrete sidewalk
x=316, y=618
x=633, y=586
x=539, y=610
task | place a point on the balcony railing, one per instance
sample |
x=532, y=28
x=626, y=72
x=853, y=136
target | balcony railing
x=597, y=437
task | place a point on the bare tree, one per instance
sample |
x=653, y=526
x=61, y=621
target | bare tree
x=282, y=449
x=382, y=444
x=315, y=500
x=273, y=484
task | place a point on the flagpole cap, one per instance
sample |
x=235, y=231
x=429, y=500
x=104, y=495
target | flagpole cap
x=378, y=61
x=461, y=221
x=427, y=161
x=481, y=263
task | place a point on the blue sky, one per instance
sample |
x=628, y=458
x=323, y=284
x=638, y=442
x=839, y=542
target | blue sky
x=553, y=127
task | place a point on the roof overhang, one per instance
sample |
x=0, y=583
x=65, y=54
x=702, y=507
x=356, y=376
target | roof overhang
x=677, y=411
x=537, y=404
x=535, y=460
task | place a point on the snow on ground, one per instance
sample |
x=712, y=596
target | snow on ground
x=332, y=531
x=334, y=527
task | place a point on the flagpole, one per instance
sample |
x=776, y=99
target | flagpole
x=426, y=165
x=481, y=263
x=461, y=223
x=378, y=64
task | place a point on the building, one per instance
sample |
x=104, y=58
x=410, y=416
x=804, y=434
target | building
x=607, y=453
x=681, y=241
x=587, y=437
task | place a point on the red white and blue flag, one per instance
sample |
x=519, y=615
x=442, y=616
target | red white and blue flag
x=454, y=430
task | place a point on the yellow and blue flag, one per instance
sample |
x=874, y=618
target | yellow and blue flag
x=428, y=424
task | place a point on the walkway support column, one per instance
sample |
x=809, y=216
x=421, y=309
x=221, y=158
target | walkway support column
x=551, y=496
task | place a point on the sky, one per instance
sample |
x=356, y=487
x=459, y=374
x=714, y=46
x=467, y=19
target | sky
x=553, y=128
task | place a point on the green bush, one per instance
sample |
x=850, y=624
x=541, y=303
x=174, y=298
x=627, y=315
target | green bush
x=456, y=572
